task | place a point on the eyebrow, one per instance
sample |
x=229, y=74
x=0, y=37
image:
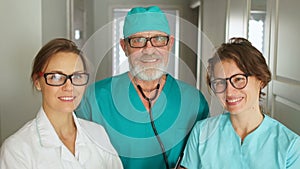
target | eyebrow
x=148, y=36
x=60, y=72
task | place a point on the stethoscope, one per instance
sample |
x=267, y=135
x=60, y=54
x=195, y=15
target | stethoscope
x=152, y=121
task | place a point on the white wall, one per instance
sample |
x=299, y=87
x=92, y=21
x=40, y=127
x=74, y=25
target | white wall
x=213, y=26
x=237, y=18
x=25, y=27
x=20, y=40
x=55, y=19
x=285, y=61
x=214, y=20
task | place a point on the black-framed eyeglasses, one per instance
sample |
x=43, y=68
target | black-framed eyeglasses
x=59, y=79
x=238, y=81
x=140, y=42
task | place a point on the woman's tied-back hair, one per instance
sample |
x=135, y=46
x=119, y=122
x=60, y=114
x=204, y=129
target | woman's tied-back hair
x=51, y=48
x=247, y=58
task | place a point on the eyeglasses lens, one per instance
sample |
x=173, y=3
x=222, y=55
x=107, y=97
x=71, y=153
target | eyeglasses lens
x=58, y=79
x=156, y=41
x=238, y=81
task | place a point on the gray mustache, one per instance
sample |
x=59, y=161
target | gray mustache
x=149, y=57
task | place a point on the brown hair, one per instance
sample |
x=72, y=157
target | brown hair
x=247, y=58
x=51, y=48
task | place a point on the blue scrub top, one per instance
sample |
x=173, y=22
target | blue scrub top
x=115, y=104
x=214, y=144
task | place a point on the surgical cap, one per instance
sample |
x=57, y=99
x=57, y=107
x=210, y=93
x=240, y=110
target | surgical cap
x=140, y=19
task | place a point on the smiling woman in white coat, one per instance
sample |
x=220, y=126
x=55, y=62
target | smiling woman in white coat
x=56, y=138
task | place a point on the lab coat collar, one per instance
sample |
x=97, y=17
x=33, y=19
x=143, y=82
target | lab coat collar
x=49, y=139
x=46, y=132
x=47, y=135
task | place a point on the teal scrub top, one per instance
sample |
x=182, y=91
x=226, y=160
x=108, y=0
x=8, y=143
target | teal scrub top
x=114, y=103
x=213, y=143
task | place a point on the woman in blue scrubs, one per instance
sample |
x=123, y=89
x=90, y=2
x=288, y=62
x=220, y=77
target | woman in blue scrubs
x=243, y=137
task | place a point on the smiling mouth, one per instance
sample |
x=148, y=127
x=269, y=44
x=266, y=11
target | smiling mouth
x=67, y=98
x=233, y=101
x=149, y=60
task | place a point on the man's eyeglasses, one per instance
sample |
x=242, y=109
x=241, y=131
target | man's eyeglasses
x=238, y=81
x=140, y=42
x=59, y=79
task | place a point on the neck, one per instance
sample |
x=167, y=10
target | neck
x=61, y=120
x=244, y=125
x=148, y=91
x=65, y=128
x=148, y=86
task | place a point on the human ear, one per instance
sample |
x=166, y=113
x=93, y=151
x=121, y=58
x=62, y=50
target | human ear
x=261, y=84
x=171, y=42
x=37, y=85
x=124, y=46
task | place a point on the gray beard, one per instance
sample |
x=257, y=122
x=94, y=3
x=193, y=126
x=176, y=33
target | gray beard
x=147, y=74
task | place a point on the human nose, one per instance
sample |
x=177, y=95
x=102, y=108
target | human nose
x=229, y=86
x=148, y=48
x=68, y=85
x=148, y=43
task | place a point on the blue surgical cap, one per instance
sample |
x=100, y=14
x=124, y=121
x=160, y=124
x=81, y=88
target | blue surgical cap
x=140, y=19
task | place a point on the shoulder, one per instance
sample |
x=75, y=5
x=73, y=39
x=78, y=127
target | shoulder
x=280, y=128
x=211, y=126
x=97, y=134
x=21, y=139
x=22, y=134
x=185, y=88
x=103, y=86
x=103, y=82
x=109, y=80
x=287, y=140
x=216, y=121
x=108, y=83
x=181, y=83
x=190, y=95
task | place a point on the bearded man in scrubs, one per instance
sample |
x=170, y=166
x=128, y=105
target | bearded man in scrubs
x=146, y=112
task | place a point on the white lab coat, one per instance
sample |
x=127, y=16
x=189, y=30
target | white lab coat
x=37, y=146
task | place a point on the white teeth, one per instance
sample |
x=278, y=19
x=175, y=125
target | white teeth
x=67, y=98
x=233, y=100
x=149, y=60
